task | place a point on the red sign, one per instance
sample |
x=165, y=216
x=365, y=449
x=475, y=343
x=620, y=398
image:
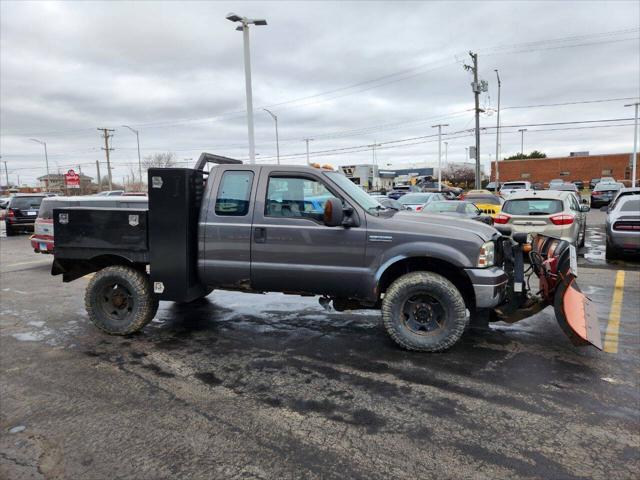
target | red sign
x=72, y=179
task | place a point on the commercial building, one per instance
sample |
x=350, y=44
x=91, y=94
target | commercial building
x=577, y=166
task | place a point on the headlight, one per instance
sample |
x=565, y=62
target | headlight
x=487, y=255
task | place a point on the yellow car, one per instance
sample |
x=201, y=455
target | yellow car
x=487, y=202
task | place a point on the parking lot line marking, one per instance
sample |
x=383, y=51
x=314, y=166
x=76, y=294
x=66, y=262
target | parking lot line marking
x=611, y=335
x=27, y=263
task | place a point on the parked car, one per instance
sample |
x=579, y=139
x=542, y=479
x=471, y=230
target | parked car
x=447, y=192
x=457, y=209
x=400, y=190
x=482, y=191
x=579, y=184
x=416, y=201
x=42, y=239
x=549, y=212
x=110, y=193
x=492, y=186
x=486, y=202
x=604, y=193
x=555, y=182
x=21, y=212
x=569, y=187
x=593, y=182
x=537, y=186
x=622, y=227
x=623, y=192
x=608, y=180
x=4, y=201
x=387, y=202
x=508, y=188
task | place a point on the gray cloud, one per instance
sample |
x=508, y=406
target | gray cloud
x=175, y=71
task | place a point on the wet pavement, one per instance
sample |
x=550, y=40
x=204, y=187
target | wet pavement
x=274, y=386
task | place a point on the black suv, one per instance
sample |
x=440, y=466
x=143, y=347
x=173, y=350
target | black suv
x=22, y=211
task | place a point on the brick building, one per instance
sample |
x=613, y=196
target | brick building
x=577, y=167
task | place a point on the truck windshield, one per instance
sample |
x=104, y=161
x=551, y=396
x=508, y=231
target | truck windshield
x=361, y=197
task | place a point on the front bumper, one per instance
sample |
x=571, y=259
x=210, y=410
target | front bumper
x=489, y=285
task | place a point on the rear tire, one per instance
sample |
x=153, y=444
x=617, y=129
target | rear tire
x=10, y=231
x=119, y=300
x=584, y=236
x=424, y=311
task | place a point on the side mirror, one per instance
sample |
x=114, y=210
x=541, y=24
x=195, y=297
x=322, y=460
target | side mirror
x=584, y=200
x=333, y=212
x=585, y=208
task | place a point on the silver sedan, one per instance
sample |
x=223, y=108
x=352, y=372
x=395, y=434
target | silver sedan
x=623, y=227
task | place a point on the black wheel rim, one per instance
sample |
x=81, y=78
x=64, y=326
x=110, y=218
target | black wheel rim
x=423, y=314
x=116, y=302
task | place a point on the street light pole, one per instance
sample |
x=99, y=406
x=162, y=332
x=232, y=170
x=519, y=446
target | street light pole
x=446, y=153
x=522, y=130
x=498, y=132
x=244, y=28
x=139, y=160
x=439, y=127
x=635, y=144
x=275, y=119
x=46, y=159
x=307, y=140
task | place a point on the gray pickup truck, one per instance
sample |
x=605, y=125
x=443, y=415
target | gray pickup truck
x=308, y=231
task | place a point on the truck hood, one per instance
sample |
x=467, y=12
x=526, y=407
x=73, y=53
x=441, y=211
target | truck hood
x=434, y=224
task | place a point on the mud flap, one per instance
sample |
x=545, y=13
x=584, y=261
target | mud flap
x=576, y=314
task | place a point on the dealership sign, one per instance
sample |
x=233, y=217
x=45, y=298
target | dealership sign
x=72, y=179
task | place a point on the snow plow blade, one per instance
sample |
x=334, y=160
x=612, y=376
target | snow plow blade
x=576, y=314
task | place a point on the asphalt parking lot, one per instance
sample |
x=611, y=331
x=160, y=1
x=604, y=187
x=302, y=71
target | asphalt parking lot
x=273, y=386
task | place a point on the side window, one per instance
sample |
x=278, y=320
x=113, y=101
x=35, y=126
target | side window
x=472, y=209
x=233, y=193
x=573, y=203
x=296, y=197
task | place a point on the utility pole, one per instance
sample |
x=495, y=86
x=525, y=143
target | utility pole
x=477, y=88
x=99, y=179
x=439, y=127
x=522, y=130
x=635, y=145
x=307, y=140
x=275, y=119
x=139, y=160
x=6, y=172
x=498, y=132
x=106, y=135
x=446, y=153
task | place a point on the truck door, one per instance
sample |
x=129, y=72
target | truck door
x=292, y=250
x=225, y=227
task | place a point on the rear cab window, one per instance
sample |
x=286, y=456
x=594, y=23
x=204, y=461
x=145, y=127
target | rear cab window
x=234, y=193
x=533, y=206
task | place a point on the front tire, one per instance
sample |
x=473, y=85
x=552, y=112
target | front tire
x=119, y=300
x=424, y=311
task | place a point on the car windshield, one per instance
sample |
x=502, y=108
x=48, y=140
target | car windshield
x=631, y=205
x=361, y=197
x=441, y=207
x=606, y=186
x=415, y=198
x=26, y=203
x=565, y=187
x=532, y=206
x=486, y=199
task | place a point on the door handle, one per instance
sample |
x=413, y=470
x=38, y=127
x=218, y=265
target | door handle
x=259, y=234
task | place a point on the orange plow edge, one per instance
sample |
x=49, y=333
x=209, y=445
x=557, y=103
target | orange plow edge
x=576, y=314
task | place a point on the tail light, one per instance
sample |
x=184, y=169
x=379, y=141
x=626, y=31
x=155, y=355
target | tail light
x=627, y=226
x=418, y=208
x=502, y=218
x=596, y=194
x=11, y=215
x=562, y=219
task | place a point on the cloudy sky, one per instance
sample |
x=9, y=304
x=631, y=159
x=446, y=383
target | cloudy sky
x=347, y=74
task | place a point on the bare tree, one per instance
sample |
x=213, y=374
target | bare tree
x=459, y=175
x=159, y=160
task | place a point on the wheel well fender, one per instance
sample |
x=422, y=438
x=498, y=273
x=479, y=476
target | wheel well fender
x=72, y=269
x=401, y=265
